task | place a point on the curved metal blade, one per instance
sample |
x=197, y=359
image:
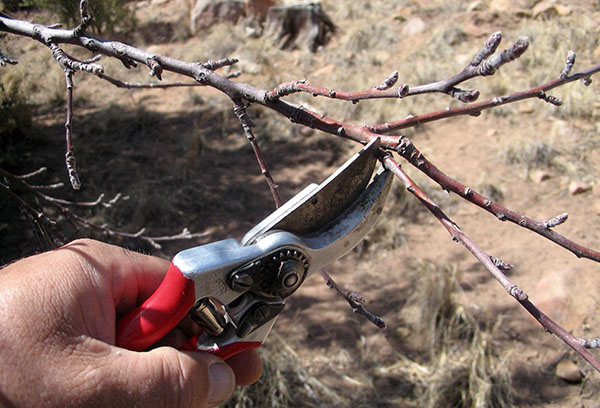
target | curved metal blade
x=318, y=205
x=347, y=230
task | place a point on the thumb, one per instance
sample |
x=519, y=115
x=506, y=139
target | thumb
x=166, y=377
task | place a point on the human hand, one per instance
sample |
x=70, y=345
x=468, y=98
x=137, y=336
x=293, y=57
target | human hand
x=58, y=313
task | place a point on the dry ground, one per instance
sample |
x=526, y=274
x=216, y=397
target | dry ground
x=453, y=334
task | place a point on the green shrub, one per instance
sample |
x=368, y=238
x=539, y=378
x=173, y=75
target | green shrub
x=109, y=15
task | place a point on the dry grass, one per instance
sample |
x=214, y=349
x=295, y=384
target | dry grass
x=529, y=153
x=461, y=366
x=457, y=362
x=284, y=383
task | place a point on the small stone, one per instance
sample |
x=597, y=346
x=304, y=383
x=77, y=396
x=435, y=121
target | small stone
x=546, y=9
x=579, y=187
x=526, y=108
x=413, y=26
x=501, y=5
x=476, y=6
x=307, y=132
x=568, y=371
x=539, y=176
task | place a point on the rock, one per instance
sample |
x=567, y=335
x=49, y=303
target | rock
x=539, y=176
x=526, y=108
x=579, y=187
x=568, y=371
x=207, y=13
x=476, y=6
x=257, y=9
x=547, y=10
x=302, y=25
x=502, y=6
x=413, y=26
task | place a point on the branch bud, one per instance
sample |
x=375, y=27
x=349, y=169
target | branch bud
x=488, y=49
x=388, y=82
x=556, y=221
x=570, y=61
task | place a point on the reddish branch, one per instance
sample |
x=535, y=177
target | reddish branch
x=483, y=64
x=408, y=151
x=355, y=300
x=247, y=124
x=578, y=344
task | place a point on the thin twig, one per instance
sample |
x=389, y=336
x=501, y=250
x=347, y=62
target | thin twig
x=408, y=150
x=77, y=221
x=242, y=114
x=70, y=155
x=517, y=293
x=355, y=300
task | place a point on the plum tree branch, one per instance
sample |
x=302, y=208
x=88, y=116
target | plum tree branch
x=484, y=63
x=579, y=345
x=13, y=183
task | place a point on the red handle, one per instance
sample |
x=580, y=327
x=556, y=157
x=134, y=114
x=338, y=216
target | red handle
x=159, y=314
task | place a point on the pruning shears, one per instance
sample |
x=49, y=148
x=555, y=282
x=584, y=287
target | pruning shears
x=235, y=290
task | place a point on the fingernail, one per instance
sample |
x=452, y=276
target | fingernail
x=221, y=382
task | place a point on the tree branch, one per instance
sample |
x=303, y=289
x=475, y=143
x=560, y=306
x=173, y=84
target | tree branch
x=579, y=345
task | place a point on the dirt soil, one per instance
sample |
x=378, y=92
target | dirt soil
x=181, y=158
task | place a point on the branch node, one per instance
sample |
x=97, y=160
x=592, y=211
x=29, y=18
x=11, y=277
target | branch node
x=403, y=91
x=570, y=61
x=341, y=131
x=550, y=99
x=488, y=49
x=214, y=65
x=156, y=69
x=556, y=221
x=72, y=170
x=500, y=264
x=591, y=343
x=357, y=298
x=86, y=19
x=5, y=60
x=388, y=82
x=465, y=96
x=518, y=293
x=587, y=81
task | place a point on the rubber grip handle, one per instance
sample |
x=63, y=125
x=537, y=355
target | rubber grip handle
x=159, y=314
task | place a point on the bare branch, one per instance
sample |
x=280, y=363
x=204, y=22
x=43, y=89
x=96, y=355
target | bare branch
x=544, y=228
x=457, y=235
x=5, y=60
x=247, y=124
x=86, y=19
x=47, y=225
x=477, y=108
x=355, y=300
x=70, y=155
